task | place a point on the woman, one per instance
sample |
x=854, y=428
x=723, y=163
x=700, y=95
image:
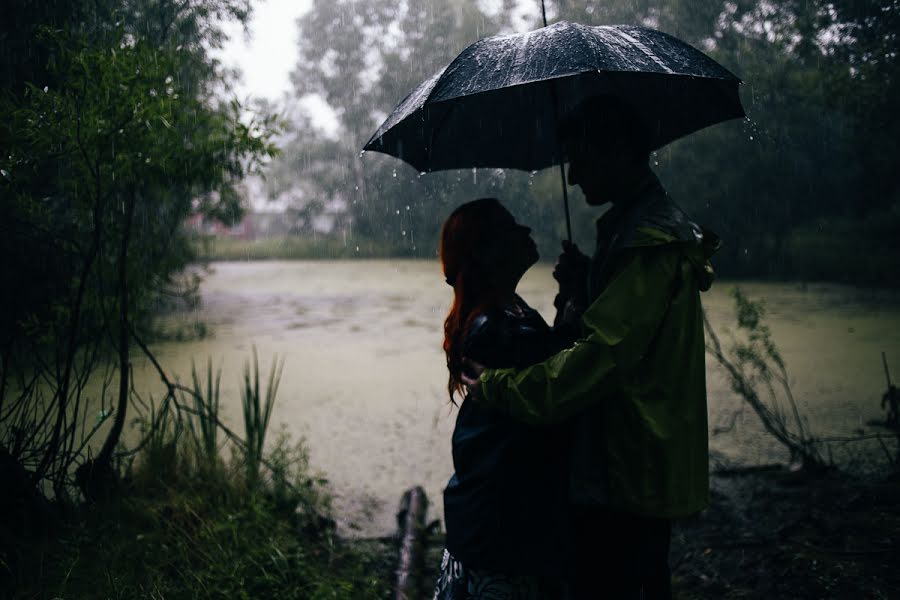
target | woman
x=505, y=507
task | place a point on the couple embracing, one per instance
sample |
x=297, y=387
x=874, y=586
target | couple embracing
x=576, y=445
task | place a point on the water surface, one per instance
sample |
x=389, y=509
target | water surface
x=365, y=377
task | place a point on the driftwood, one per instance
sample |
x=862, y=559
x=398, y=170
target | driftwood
x=411, y=521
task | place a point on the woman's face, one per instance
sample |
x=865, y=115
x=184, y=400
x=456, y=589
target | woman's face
x=512, y=251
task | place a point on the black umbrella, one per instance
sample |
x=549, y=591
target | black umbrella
x=498, y=103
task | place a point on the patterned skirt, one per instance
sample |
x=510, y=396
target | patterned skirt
x=458, y=582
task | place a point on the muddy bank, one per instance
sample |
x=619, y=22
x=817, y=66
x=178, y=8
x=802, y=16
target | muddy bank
x=776, y=534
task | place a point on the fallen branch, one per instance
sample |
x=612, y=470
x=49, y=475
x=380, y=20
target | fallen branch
x=411, y=519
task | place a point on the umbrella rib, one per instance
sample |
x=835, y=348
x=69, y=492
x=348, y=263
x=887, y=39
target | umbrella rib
x=645, y=49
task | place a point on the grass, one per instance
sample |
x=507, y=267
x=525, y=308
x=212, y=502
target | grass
x=181, y=532
x=294, y=248
x=257, y=411
x=190, y=521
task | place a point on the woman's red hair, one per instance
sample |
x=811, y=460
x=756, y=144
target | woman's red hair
x=465, y=233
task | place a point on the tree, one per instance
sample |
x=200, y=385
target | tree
x=113, y=145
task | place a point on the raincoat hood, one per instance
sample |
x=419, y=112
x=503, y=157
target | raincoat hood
x=653, y=219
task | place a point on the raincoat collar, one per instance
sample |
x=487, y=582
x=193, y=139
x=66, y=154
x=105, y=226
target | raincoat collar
x=651, y=218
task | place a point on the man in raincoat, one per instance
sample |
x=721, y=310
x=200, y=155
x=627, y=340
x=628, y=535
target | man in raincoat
x=634, y=385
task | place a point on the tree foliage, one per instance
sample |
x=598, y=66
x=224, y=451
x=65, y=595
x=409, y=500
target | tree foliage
x=814, y=158
x=112, y=137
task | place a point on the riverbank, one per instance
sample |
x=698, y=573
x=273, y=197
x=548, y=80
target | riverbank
x=810, y=253
x=772, y=533
x=782, y=534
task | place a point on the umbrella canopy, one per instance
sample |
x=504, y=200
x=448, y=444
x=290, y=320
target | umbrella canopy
x=497, y=103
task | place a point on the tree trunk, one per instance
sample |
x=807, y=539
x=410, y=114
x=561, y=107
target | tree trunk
x=104, y=460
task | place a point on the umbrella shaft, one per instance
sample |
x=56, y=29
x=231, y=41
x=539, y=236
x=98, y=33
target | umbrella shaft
x=562, y=174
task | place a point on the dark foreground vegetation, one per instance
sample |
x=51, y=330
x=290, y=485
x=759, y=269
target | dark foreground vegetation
x=179, y=527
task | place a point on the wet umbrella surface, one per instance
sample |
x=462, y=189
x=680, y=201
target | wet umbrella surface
x=493, y=106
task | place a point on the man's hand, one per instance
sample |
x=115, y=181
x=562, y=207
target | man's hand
x=470, y=377
x=571, y=271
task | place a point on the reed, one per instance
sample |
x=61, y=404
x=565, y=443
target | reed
x=257, y=411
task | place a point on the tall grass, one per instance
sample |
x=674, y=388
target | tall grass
x=257, y=409
x=204, y=426
x=189, y=521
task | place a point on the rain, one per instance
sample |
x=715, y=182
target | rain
x=222, y=359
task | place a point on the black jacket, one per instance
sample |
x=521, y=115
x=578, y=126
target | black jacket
x=506, y=506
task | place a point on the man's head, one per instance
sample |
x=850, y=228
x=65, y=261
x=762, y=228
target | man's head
x=607, y=147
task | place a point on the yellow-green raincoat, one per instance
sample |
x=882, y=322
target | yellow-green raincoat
x=635, y=383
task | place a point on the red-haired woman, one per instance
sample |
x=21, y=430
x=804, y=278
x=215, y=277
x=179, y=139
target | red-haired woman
x=505, y=508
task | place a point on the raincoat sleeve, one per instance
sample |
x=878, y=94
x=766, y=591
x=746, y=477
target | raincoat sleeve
x=619, y=327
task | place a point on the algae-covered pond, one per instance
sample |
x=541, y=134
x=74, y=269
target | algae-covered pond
x=365, y=379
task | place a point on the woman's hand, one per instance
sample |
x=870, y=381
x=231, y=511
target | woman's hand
x=470, y=375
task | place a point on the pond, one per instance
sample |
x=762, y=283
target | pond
x=365, y=379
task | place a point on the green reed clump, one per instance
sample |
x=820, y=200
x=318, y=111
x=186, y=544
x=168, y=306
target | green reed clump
x=257, y=410
x=204, y=424
x=187, y=523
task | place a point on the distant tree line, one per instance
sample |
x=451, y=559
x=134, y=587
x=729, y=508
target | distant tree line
x=805, y=188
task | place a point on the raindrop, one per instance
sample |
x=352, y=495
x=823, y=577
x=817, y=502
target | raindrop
x=357, y=248
x=361, y=152
x=394, y=173
x=5, y=173
x=46, y=89
x=398, y=211
x=751, y=137
x=404, y=233
x=421, y=173
x=407, y=207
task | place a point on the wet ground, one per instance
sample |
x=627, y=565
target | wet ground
x=365, y=378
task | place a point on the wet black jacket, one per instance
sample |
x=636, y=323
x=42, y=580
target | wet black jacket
x=506, y=506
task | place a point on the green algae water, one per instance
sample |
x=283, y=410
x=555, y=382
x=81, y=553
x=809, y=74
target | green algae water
x=365, y=379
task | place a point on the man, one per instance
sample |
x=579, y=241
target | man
x=636, y=377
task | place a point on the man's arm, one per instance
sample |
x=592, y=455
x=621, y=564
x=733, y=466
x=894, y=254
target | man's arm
x=620, y=326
